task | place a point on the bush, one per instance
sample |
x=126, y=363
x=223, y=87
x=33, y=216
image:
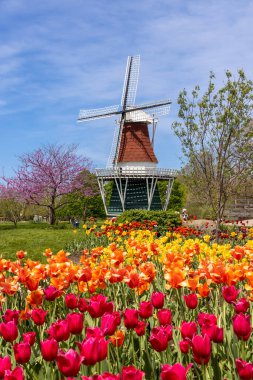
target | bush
x=164, y=219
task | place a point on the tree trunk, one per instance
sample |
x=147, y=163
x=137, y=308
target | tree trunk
x=52, y=218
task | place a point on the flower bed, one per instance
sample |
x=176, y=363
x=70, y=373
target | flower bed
x=142, y=307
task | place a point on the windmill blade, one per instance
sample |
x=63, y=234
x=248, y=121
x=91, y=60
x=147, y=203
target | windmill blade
x=148, y=111
x=131, y=81
x=99, y=113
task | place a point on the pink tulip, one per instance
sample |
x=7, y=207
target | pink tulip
x=164, y=317
x=188, y=329
x=16, y=374
x=75, y=321
x=140, y=329
x=160, y=337
x=244, y=369
x=49, y=349
x=93, y=350
x=59, y=330
x=39, y=316
x=157, y=300
x=11, y=315
x=174, y=372
x=110, y=322
x=69, y=363
x=241, y=306
x=132, y=373
x=131, y=318
x=184, y=346
x=82, y=305
x=98, y=306
x=241, y=325
x=22, y=352
x=145, y=309
x=201, y=348
x=71, y=301
x=29, y=337
x=9, y=331
x=230, y=293
x=51, y=293
x=5, y=364
x=191, y=301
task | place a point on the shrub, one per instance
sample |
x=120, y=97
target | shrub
x=164, y=219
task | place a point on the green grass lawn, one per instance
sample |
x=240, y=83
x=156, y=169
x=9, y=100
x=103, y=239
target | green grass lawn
x=35, y=238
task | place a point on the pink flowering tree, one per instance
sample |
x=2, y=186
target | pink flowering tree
x=46, y=175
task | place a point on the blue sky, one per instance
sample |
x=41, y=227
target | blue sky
x=57, y=56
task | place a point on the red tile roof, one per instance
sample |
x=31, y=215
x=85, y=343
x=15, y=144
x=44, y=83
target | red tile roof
x=135, y=144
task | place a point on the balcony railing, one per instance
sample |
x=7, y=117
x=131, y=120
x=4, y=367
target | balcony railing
x=134, y=172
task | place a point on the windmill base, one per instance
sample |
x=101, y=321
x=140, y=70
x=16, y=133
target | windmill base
x=136, y=196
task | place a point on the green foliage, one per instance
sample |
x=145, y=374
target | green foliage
x=11, y=210
x=216, y=137
x=79, y=206
x=163, y=219
x=177, y=196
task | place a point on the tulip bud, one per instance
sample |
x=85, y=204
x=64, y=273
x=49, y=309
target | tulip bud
x=191, y=301
x=164, y=317
x=145, y=310
x=22, y=352
x=75, y=321
x=188, y=329
x=184, y=346
x=39, y=316
x=201, y=348
x=9, y=331
x=157, y=300
x=131, y=318
x=49, y=349
x=29, y=337
x=71, y=301
x=241, y=325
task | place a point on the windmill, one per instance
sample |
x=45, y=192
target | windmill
x=132, y=161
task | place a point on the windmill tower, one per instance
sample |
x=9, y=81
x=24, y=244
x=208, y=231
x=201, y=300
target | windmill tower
x=132, y=164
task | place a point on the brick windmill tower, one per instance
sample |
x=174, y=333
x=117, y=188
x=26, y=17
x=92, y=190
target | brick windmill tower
x=132, y=164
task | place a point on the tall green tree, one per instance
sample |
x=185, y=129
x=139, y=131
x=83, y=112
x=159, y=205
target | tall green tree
x=216, y=138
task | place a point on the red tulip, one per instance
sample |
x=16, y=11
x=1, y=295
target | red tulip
x=164, y=316
x=230, y=293
x=140, y=329
x=218, y=335
x=201, y=348
x=94, y=332
x=39, y=316
x=29, y=337
x=71, y=301
x=59, y=330
x=160, y=337
x=9, y=331
x=244, y=369
x=132, y=373
x=241, y=325
x=11, y=315
x=69, y=363
x=51, y=293
x=241, y=306
x=174, y=372
x=188, y=329
x=206, y=319
x=191, y=301
x=5, y=363
x=82, y=305
x=110, y=322
x=98, y=306
x=184, y=346
x=16, y=374
x=145, y=309
x=49, y=349
x=22, y=352
x=157, y=300
x=131, y=318
x=93, y=350
x=75, y=321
